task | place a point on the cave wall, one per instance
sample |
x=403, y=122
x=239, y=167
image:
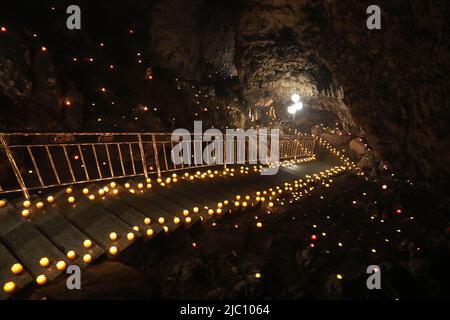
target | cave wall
x=193, y=38
x=395, y=79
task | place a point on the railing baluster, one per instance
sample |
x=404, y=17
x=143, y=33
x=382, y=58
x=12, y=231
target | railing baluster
x=224, y=146
x=96, y=162
x=83, y=162
x=15, y=168
x=165, y=156
x=111, y=170
x=132, y=158
x=33, y=160
x=121, y=159
x=142, y=151
x=155, y=151
x=69, y=164
x=52, y=164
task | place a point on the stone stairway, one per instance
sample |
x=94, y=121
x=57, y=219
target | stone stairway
x=40, y=238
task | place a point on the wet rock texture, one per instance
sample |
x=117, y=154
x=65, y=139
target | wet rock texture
x=108, y=280
x=394, y=80
x=390, y=84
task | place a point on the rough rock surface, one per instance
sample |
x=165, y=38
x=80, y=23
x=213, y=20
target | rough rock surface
x=108, y=280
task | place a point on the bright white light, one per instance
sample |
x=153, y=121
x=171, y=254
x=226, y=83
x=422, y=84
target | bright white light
x=292, y=109
x=295, y=98
x=298, y=106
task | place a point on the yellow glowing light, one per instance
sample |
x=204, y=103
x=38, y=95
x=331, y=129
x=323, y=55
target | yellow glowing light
x=25, y=213
x=257, y=275
x=220, y=205
x=113, y=250
x=185, y=213
x=226, y=202
x=238, y=197
x=87, y=258
x=130, y=236
x=41, y=280
x=113, y=185
x=188, y=220
x=210, y=212
x=71, y=199
x=140, y=186
x=244, y=204
x=136, y=228
x=115, y=192
x=16, y=268
x=147, y=221
x=87, y=244
x=159, y=180
x=106, y=189
x=149, y=232
x=340, y=277
x=176, y=220
x=44, y=262
x=237, y=204
x=50, y=199
x=69, y=190
x=149, y=185
x=259, y=225
x=127, y=185
x=91, y=197
x=3, y=203
x=61, y=265
x=71, y=255
x=9, y=287
x=40, y=205
x=161, y=220
x=27, y=203
x=219, y=211
x=113, y=236
x=196, y=210
x=166, y=229
x=101, y=192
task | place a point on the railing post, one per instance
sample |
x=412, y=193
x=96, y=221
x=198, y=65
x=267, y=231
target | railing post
x=313, y=145
x=296, y=149
x=155, y=151
x=141, y=149
x=225, y=152
x=15, y=167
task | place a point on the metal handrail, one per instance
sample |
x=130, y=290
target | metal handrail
x=76, y=158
